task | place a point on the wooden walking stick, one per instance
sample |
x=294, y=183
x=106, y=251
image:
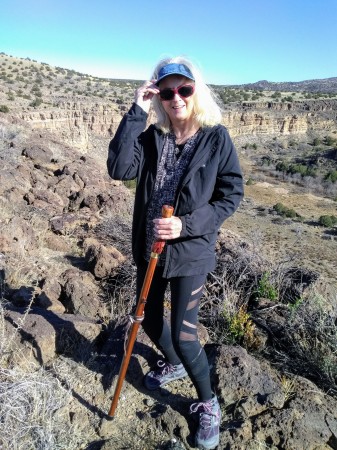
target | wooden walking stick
x=157, y=248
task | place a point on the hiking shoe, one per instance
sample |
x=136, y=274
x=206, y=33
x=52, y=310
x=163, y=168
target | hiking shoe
x=165, y=373
x=207, y=436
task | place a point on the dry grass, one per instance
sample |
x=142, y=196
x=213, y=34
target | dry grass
x=301, y=323
x=309, y=344
x=29, y=401
x=35, y=411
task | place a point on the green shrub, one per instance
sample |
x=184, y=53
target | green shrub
x=279, y=208
x=36, y=102
x=240, y=326
x=265, y=288
x=328, y=221
x=331, y=176
x=282, y=210
x=329, y=140
x=292, y=169
x=4, y=108
x=282, y=166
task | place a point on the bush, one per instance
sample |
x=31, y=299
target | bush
x=328, y=221
x=331, y=176
x=4, y=108
x=279, y=208
x=265, y=288
x=36, y=102
x=329, y=140
x=240, y=326
x=303, y=170
x=286, y=212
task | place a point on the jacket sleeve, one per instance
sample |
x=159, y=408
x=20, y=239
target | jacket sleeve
x=227, y=194
x=125, y=148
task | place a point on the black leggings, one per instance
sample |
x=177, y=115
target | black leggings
x=179, y=343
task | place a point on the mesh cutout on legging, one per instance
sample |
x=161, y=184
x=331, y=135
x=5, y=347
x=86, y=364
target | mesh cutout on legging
x=188, y=330
x=192, y=304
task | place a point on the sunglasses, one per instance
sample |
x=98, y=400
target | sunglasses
x=186, y=90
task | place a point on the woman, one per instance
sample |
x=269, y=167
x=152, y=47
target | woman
x=186, y=160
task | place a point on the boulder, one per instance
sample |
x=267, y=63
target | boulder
x=40, y=335
x=80, y=294
x=241, y=376
x=50, y=295
x=102, y=260
x=38, y=153
x=68, y=222
x=263, y=406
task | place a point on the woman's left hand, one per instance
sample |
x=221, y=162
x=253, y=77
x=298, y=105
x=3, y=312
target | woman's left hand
x=165, y=229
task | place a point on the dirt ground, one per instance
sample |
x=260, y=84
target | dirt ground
x=305, y=243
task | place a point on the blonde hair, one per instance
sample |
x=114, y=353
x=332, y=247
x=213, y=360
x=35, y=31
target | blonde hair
x=206, y=110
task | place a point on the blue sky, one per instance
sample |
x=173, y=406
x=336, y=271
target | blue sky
x=233, y=42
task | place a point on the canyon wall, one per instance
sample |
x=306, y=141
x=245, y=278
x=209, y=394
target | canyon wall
x=77, y=121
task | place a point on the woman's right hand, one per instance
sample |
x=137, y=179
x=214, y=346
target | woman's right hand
x=144, y=94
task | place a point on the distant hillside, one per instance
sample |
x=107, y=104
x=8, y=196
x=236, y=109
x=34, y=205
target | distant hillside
x=325, y=85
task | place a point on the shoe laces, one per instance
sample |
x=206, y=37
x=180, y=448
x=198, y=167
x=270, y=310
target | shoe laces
x=206, y=414
x=165, y=367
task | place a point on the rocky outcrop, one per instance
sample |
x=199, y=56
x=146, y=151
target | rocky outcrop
x=40, y=335
x=262, y=406
x=76, y=122
x=268, y=118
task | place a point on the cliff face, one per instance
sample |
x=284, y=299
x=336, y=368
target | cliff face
x=77, y=121
x=285, y=118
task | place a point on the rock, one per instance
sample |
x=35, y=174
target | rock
x=44, y=198
x=239, y=375
x=308, y=422
x=80, y=293
x=66, y=187
x=68, y=222
x=55, y=242
x=49, y=296
x=174, y=424
x=23, y=296
x=264, y=408
x=20, y=235
x=103, y=260
x=41, y=334
x=38, y=153
x=149, y=402
x=5, y=243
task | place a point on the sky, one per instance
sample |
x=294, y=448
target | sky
x=232, y=42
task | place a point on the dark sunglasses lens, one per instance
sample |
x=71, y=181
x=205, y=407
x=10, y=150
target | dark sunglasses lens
x=166, y=94
x=185, y=91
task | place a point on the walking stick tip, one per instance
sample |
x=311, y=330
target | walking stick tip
x=109, y=418
x=105, y=429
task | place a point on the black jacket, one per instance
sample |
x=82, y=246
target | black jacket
x=209, y=192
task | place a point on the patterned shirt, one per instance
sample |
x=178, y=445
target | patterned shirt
x=172, y=166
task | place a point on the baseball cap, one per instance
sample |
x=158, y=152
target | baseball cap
x=174, y=69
